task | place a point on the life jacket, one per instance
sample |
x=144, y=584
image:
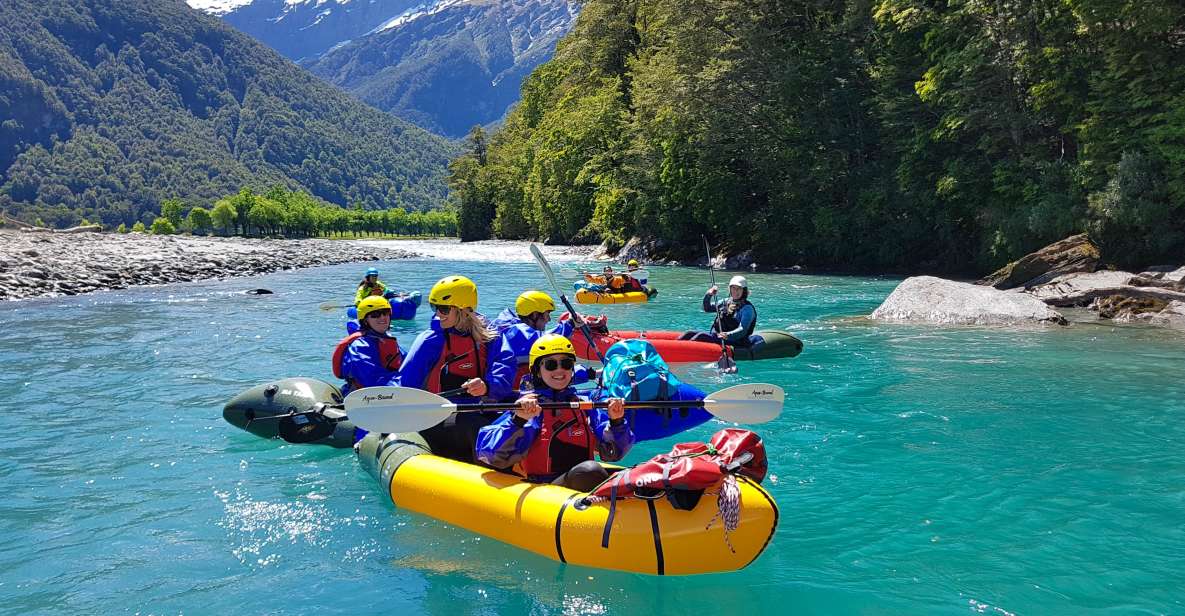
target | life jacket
x=454, y=368
x=390, y=356
x=728, y=319
x=565, y=440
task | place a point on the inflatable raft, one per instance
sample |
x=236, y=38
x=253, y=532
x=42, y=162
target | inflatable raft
x=403, y=308
x=767, y=344
x=586, y=296
x=286, y=408
x=647, y=536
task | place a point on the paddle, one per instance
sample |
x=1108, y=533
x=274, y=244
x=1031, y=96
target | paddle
x=402, y=409
x=543, y=265
x=313, y=425
x=725, y=363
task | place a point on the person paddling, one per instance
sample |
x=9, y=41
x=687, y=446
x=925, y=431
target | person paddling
x=370, y=285
x=556, y=446
x=736, y=317
x=529, y=319
x=607, y=280
x=458, y=352
x=632, y=283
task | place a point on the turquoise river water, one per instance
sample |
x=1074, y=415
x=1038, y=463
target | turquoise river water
x=919, y=469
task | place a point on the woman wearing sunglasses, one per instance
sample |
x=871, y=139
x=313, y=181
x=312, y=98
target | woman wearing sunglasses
x=369, y=356
x=556, y=446
x=457, y=352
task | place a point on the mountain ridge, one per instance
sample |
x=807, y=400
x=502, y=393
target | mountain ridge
x=121, y=104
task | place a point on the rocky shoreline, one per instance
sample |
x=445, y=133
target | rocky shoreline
x=1065, y=274
x=52, y=264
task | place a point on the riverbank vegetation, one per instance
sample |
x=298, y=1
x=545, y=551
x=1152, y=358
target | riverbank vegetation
x=281, y=212
x=894, y=134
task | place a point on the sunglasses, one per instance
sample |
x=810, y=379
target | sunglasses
x=552, y=364
x=378, y=313
x=441, y=309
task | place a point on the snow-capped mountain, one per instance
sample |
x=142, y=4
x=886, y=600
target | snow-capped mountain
x=301, y=29
x=451, y=65
x=443, y=64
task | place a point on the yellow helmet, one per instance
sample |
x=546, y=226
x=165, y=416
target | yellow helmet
x=550, y=344
x=632, y=262
x=533, y=301
x=456, y=291
x=370, y=304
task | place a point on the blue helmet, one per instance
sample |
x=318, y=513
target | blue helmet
x=374, y=271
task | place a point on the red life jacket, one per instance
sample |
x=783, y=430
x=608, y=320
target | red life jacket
x=454, y=368
x=565, y=440
x=389, y=355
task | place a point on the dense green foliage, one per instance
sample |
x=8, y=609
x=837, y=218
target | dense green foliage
x=942, y=135
x=297, y=214
x=107, y=107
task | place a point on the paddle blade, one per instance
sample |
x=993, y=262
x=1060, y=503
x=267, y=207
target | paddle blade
x=726, y=364
x=752, y=403
x=545, y=266
x=327, y=306
x=396, y=409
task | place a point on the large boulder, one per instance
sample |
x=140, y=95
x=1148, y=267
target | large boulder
x=927, y=299
x=1073, y=254
x=1078, y=283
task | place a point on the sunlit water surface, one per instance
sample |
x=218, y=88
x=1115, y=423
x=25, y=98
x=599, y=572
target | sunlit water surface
x=918, y=469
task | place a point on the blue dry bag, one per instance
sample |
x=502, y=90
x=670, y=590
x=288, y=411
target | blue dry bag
x=635, y=371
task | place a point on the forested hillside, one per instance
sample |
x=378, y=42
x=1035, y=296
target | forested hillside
x=459, y=64
x=894, y=134
x=107, y=107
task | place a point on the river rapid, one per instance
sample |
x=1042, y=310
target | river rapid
x=918, y=469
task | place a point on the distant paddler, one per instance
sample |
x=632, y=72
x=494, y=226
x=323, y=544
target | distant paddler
x=736, y=317
x=370, y=285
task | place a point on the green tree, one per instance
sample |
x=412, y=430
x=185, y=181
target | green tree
x=138, y=227
x=200, y=220
x=163, y=226
x=468, y=195
x=266, y=215
x=224, y=216
x=122, y=228
x=170, y=209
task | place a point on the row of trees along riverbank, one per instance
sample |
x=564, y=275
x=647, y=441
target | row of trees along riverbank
x=292, y=214
x=883, y=135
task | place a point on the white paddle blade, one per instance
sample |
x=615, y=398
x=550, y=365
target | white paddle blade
x=545, y=266
x=396, y=409
x=752, y=403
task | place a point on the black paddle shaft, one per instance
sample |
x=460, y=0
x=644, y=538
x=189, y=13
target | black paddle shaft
x=592, y=342
x=654, y=404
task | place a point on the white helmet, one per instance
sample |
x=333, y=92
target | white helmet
x=739, y=281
